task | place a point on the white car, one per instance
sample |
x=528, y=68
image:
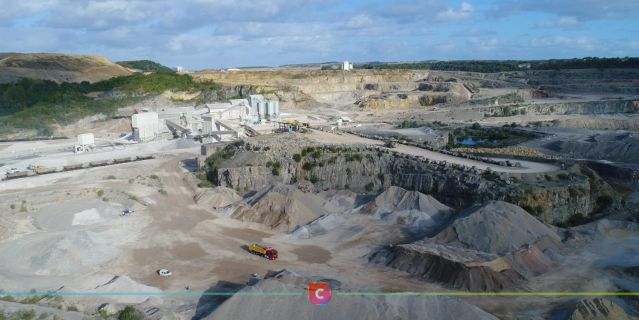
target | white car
x=164, y=273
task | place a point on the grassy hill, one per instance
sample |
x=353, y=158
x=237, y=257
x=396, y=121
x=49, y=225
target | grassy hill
x=145, y=65
x=57, y=67
x=38, y=104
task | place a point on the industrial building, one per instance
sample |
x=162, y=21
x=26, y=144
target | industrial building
x=252, y=110
x=346, y=66
x=145, y=125
x=86, y=143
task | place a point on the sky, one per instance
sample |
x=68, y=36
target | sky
x=200, y=34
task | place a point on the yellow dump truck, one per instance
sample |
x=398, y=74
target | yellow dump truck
x=264, y=251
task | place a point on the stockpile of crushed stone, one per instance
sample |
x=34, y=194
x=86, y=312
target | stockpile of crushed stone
x=280, y=207
x=246, y=306
x=218, y=197
x=599, y=309
x=53, y=254
x=416, y=210
x=318, y=227
x=496, y=227
x=488, y=248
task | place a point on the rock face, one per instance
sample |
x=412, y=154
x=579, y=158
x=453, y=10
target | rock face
x=341, y=307
x=454, y=186
x=280, y=207
x=58, y=67
x=487, y=248
x=414, y=209
x=599, y=309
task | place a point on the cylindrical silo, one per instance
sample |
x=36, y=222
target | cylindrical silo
x=261, y=109
x=276, y=108
x=267, y=112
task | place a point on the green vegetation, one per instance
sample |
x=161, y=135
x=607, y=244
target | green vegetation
x=488, y=137
x=509, y=65
x=314, y=179
x=145, y=65
x=354, y=157
x=18, y=315
x=276, y=168
x=418, y=124
x=308, y=166
x=129, y=313
x=38, y=104
x=23, y=206
x=369, y=187
x=297, y=157
x=100, y=193
x=603, y=202
x=506, y=111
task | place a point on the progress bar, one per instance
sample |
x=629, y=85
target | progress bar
x=335, y=293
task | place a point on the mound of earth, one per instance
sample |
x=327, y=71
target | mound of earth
x=599, y=309
x=341, y=307
x=317, y=227
x=60, y=253
x=455, y=267
x=496, y=227
x=218, y=197
x=488, y=247
x=125, y=284
x=414, y=209
x=280, y=207
x=58, y=67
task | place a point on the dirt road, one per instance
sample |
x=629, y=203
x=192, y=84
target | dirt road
x=346, y=138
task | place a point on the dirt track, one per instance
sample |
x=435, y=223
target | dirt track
x=346, y=138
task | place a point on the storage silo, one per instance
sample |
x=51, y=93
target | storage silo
x=276, y=108
x=269, y=107
x=262, y=109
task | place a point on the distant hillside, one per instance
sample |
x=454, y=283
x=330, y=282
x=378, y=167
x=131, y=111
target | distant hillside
x=488, y=66
x=145, y=65
x=57, y=67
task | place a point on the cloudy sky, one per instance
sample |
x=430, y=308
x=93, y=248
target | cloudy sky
x=201, y=34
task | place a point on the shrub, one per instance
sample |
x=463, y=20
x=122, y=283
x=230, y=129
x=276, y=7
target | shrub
x=369, y=187
x=163, y=192
x=308, y=166
x=603, y=202
x=563, y=176
x=111, y=177
x=297, y=157
x=100, y=193
x=314, y=179
x=275, y=171
x=154, y=177
x=129, y=313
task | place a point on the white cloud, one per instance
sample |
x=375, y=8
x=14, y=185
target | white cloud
x=583, y=43
x=465, y=11
x=561, y=22
x=359, y=21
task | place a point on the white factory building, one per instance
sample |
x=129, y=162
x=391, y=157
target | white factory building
x=146, y=126
x=255, y=108
x=347, y=66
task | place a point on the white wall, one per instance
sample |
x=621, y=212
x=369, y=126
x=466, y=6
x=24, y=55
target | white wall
x=147, y=123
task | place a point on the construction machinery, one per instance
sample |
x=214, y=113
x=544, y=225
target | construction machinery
x=390, y=143
x=264, y=251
